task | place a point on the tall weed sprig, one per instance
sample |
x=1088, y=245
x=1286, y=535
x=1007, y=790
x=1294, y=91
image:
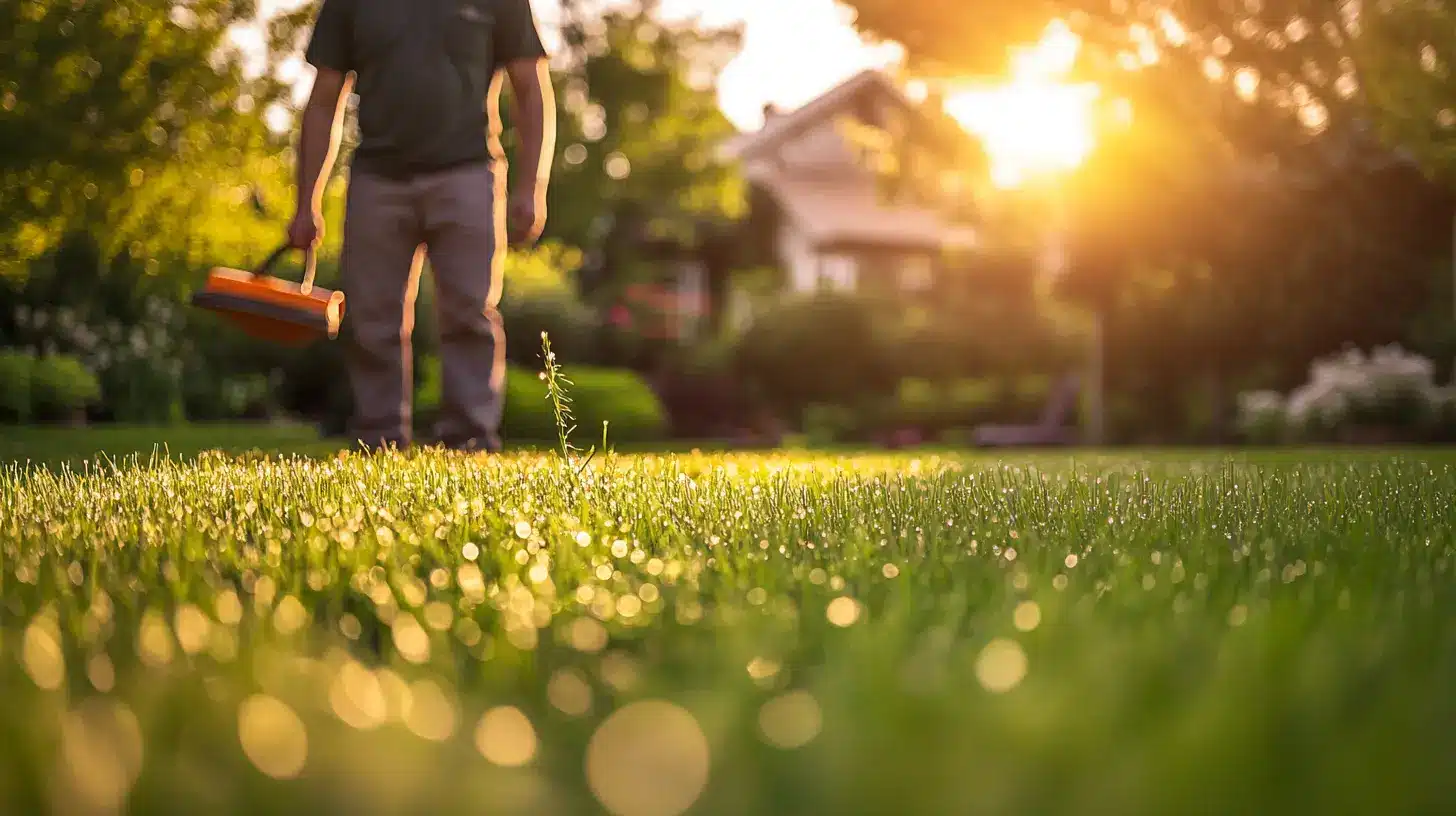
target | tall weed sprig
x=557, y=385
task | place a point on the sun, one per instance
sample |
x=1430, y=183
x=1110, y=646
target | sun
x=1036, y=124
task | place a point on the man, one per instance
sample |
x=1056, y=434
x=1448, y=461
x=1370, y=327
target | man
x=427, y=179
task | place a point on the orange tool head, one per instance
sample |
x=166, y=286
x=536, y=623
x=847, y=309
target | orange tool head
x=273, y=309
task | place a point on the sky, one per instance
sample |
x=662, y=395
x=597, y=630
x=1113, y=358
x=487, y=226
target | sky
x=774, y=66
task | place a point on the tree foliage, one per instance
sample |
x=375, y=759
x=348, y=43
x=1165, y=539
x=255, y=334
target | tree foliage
x=1320, y=62
x=108, y=111
x=639, y=127
x=1241, y=220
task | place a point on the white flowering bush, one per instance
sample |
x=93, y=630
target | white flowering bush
x=1389, y=390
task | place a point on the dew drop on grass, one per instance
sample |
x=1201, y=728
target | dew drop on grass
x=350, y=627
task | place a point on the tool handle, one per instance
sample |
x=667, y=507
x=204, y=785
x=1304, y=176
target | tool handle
x=310, y=265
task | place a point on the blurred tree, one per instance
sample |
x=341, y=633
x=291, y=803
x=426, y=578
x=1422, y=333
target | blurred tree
x=110, y=111
x=638, y=130
x=1321, y=61
x=1234, y=219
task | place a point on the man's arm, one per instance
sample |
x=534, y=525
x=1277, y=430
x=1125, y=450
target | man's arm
x=318, y=147
x=533, y=110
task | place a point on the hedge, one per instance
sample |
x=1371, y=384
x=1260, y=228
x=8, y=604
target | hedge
x=620, y=398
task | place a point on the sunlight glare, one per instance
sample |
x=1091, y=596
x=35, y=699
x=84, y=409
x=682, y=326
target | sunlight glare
x=1035, y=124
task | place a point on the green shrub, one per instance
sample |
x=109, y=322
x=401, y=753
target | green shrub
x=572, y=325
x=61, y=386
x=1445, y=410
x=620, y=398
x=16, y=371
x=919, y=404
x=829, y=424
x=938, y=407
x=820, y=349
x=973, y=401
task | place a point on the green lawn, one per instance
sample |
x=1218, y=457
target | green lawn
x=1181, y=632
x=107, y=444
x=76, y=446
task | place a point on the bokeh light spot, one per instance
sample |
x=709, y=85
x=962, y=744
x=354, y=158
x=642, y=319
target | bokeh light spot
x=431, y=713
x=570, y=692
x=272, y=736
x=40, y=651
x=648, y=759
x=843, y=611
x=1027, y=616
x=101, y=754
x=505, y=737
x=791, y=720
x=1001, y=666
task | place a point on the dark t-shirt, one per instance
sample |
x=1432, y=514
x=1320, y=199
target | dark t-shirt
x=423, y=70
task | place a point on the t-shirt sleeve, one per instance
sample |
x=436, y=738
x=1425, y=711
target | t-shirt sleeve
x=516, y=34
x=331, y=45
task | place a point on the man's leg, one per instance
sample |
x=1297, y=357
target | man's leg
x=465, y=236
x=381, y=264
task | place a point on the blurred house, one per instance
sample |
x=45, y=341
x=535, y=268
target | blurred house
x=862, y=189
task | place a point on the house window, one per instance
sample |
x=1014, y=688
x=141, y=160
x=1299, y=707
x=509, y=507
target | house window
x=917, y=273
x=838, y=273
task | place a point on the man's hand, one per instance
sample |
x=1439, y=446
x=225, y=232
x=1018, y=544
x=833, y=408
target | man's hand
x=535, y=120
x=306, y=231
x=525, y=216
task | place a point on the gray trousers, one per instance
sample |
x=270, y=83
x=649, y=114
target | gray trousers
x=456, y=218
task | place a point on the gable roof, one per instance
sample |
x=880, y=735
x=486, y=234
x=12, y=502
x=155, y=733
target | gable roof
x=785, y=126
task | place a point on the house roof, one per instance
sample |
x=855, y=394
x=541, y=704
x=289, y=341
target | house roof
x=844, y=209
x=849, y=211
x=785, y=126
